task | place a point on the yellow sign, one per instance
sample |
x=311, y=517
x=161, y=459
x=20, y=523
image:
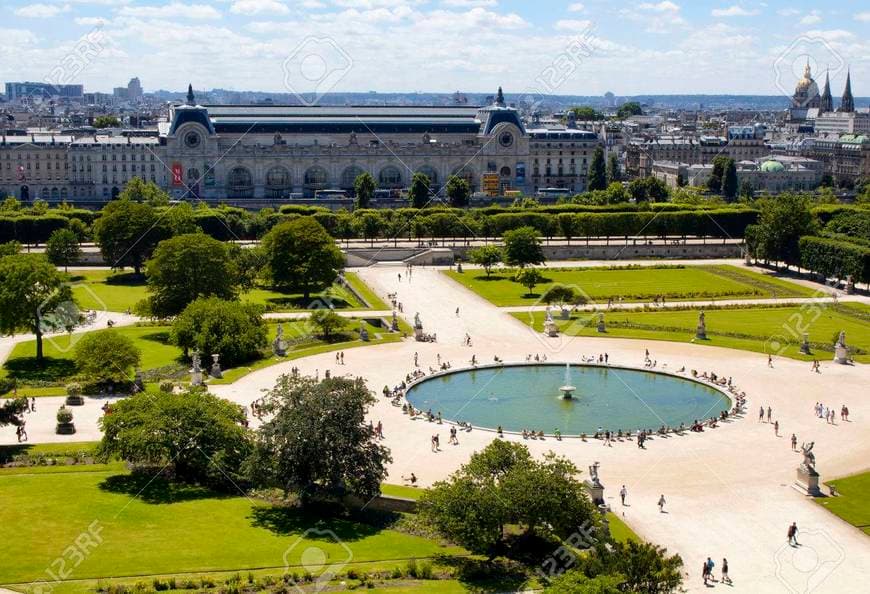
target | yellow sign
x=491, y=183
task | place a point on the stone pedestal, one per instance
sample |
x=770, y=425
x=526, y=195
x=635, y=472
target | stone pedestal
x=196, y=378
x=418, y=334
x=216, y=367
x=595, y=490
x=807, y=481
x=805, y=345
x=550, y=328
x=841, y=351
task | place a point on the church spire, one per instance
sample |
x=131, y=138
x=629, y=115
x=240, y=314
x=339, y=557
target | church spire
x=191, y=100
x=847, y=103
x=499, y=98
x=827, y=102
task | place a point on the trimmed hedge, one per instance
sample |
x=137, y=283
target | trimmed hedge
x=30, y=228
x=835, y=258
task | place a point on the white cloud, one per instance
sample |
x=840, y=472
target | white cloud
x=91, y=21
x=41, y=11
x=664, y=6
x=251, y=7
x=787, y=12
x=576, y=7
x=469, y=3
x=175, y=10
x=573, y=25
x=831, y=34
x=16, y=37
x=863, y=17
x=733, y=11
x=813, y=18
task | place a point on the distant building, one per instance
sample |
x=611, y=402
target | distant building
x=134, y=89
x=18, y=91
x=768, y=174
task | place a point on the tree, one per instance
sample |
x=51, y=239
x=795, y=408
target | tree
x=629, y=109
x=714, y=182
x=106, y=356
x=106, y=121
x=782, y=221
x=62, y=248
x=418, y=193
x=327, y=322
x=746, y=190
x=146, y=192
x=562, y=295
x=301, y=256
x=187, y=267
x=10, y=248
x=729, y=180
x=127, y=233
x=364, y=188
x=486, y=256
x=681, y=180
x=200, y=436
x=500, y=485
x=317, y=439
x=649, y=189
x=529, y=278
x=11, y=411
x=458, y=191
x=34, y=297
x=586, y=113
x=597, y=179
x=576, y=582
x=645, y=568
x=236, y=331
x=616, y=193
x=613, y=172
x=522, y=247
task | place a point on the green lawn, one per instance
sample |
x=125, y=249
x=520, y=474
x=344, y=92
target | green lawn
x=619, y=530
x=756, y=329
x=634, y=284
x=158, y=353
x=166, y=529
x=120, y=291
x=853, y=502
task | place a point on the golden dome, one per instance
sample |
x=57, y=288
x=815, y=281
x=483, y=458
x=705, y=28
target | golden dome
x=806, y=83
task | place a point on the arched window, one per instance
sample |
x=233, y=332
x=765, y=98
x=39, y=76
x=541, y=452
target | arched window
x=349, y=175
x=45, y=194
x=315, y=179
x=55, y=194
x=430, y=172
x=505, y=172
x=240, y=183
x=277, y=182
x=390, y=177
x=193, y=175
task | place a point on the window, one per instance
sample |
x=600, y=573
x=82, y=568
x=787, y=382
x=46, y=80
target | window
x=390, y=177
x=240, y=183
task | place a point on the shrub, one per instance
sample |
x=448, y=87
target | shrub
x=167, y=387
x=234, y=330
x=106, y=356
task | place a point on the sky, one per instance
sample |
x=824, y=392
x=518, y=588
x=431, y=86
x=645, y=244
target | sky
x=530, y=47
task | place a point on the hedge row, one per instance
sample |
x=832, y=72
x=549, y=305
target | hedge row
x=30, y=228
x=835, y=258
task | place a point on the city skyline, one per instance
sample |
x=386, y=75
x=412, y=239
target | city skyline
x=552, y=48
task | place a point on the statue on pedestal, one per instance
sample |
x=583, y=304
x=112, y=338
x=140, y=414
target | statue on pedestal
x=807, y=478
x=805, y=344
x=601, y=327
x=701, y=331
x=417, y=322
x=215, y=366
x=850, y=285
x=279, y=346
x=550, y=327
x=841, y=351
x=809, y=462
x=196, y=370
x=593, y=485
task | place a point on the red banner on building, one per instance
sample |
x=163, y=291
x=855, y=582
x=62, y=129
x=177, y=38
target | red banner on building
x=177, y=177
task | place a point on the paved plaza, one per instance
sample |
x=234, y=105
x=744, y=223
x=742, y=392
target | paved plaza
x=728, y=489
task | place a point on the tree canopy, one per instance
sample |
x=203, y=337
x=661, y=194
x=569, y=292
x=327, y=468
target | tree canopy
x=127, y=233
x=186, y=267
x=34, y=297
x=301, y=256
x=522, y=247
x=364, y=189
x=781, y=223
x=236, y=331
x=458, y=191
x=62, y=248
x=198, y=435
x=597, y=179
x=106, y=356
x=418, y=193
x=317, y=440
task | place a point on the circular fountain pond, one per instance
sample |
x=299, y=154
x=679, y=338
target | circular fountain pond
x=532, y=396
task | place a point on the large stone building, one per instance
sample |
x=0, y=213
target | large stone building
x=267, y=152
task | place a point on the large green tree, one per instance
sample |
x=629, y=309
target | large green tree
x=629, y=108
x=486, y=256
x=236, y=331
x=522, y=247
x=301, y=256
x=503, y=485
x=199, y=436
x=127, y=233
x=34, y=297
x=187, y=267
x=317, y=439
x=62, y=248
x=327, y=322
x=106, y=356
x=644, y=568
x=364, y=189
x=458, y=191
x=597, y=179
x=782, y=221
x=613, y=172
x=418, y=193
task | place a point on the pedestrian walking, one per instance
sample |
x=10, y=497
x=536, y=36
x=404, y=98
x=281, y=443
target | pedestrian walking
x=793, y=442
x=760, y=410
x=769, y=413
x=770, y=361
x=776, y=428
x=457, y=312
x=662, y=504
x=622, y=494
x=725, y=577
x=710, y=565
x=792, y=534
